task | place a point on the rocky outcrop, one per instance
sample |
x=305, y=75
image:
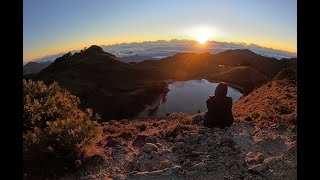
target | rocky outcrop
x=177, y=148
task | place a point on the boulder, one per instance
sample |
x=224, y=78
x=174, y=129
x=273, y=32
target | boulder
x=139, y=141
x=192, y=139
x=187, y=163
x=254, y=158
x=149, y=147
x=259, y=168
x=165, y=164
x=178, y=138
x=200, y=166
x=235, y=169
x=248, y=119
x=126, y=135
x=112, y=143
x=225, y=149
x=178, y=146
x=165, y=151
x=119, y=177
x=230, y=162
x=191, y=174
x=151, y=139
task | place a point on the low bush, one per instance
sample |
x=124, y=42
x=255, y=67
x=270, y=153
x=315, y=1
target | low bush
x=55, y=130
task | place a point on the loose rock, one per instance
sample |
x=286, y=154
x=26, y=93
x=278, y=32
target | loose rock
x=149, y=147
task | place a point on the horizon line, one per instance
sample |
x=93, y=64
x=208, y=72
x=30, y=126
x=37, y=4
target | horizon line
x=146, y=41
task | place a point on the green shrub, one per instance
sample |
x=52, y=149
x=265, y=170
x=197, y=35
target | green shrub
x=54, y=128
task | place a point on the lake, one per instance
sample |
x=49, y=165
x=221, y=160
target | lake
x=186, y=96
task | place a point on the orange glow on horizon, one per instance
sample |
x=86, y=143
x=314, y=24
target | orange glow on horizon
x=202, y=43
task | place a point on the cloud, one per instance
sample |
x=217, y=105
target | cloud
x=167, y=48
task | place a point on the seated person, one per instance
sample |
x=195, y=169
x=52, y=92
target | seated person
x=219, y=109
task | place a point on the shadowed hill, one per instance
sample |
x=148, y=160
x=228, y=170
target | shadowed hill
x=243, y=76
x=181, y=66
x=191, y=64
x=111, y=87
x=266, y=65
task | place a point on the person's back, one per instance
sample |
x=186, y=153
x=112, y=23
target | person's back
x=219, y=109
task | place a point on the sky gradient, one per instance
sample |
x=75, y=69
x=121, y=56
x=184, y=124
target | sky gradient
x=51, y=27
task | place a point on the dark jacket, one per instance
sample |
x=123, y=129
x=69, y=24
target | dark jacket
x=219, y=112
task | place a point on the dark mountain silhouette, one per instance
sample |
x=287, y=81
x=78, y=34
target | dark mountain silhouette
x=116, y=89
x=192, y=65
x=266, y=65
x=35, y=67
x=111, y=87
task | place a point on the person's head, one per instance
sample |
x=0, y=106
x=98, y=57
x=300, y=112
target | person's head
x=221, y=90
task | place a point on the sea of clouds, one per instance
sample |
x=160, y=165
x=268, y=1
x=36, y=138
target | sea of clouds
x=160, y=49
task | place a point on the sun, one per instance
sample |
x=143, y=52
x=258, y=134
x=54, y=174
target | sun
x=202, y=39
x=202, y=34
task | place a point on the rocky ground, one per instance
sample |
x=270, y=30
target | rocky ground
x=180, y=147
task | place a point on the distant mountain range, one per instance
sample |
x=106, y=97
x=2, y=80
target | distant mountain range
x=137, y=52
x=35, y=67
x=161, y=49
x=117, y=90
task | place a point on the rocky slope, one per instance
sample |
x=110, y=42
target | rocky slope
x=180, y=147
x=273, y=103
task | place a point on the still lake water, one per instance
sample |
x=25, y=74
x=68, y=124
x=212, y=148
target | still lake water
x=186, y=96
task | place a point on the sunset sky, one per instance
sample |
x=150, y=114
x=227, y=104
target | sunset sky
x=53, y=26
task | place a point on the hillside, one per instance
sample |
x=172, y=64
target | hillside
x=118, y=90
x=243, y=76
x=273, y=103
x=111, y=87
x=266, y=65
